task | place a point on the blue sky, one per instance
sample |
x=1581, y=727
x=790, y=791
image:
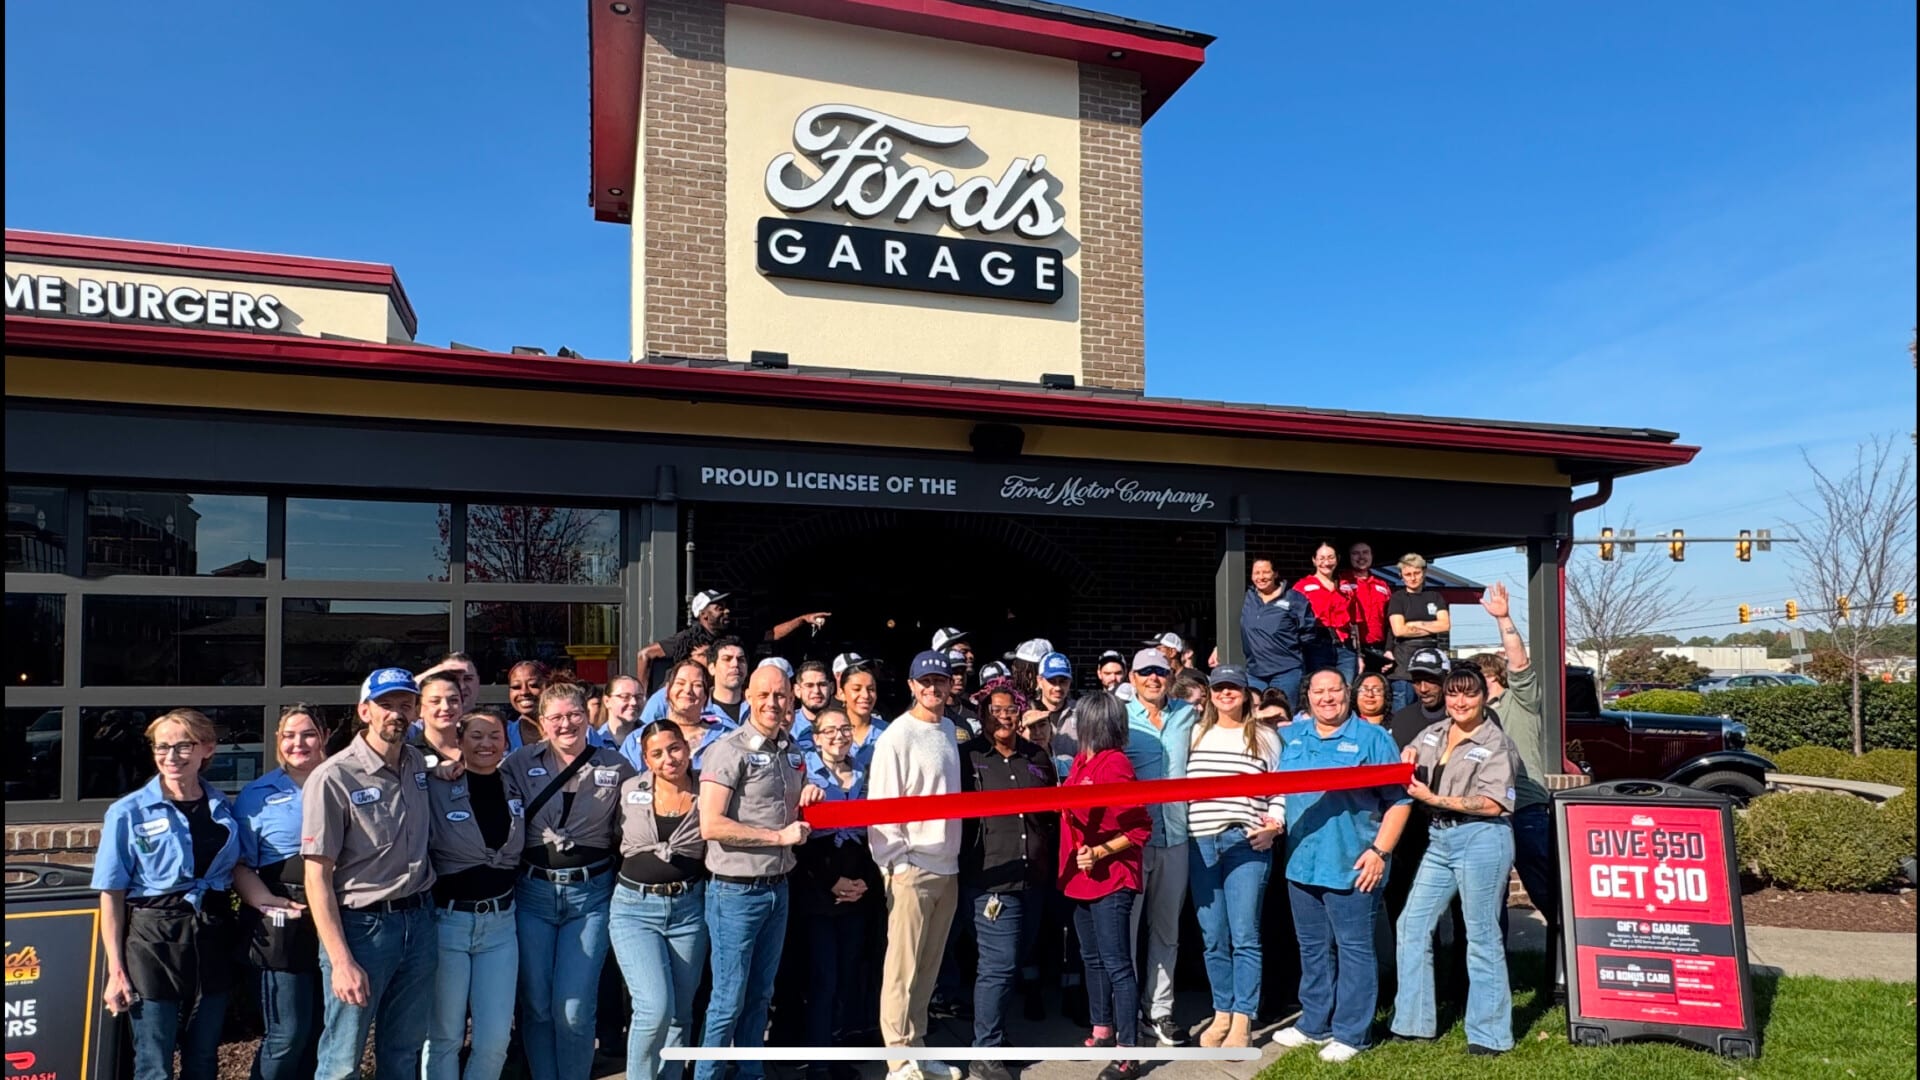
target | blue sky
x=1697, y=216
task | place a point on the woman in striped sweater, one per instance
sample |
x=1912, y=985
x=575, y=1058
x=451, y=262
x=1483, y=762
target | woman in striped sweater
x=1232, y=852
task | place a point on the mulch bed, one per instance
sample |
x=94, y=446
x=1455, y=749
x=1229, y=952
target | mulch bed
x=1890, y=913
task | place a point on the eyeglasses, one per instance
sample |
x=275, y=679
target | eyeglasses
x=1153, y=672
x=1004, y=710
x=177, y=749
x=574, y=715
x=833, y=733
x=624, y=697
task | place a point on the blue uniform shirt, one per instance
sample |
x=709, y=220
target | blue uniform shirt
x=146, y=850
x=1160, y=753
x=269, y=813
x=821, y=777
x=802, y=731
x=1327, y=830
x=718, y=725
x=1274, y=634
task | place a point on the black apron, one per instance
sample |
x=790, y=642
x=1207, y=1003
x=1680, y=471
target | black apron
x=175, y=953
x=293, y=947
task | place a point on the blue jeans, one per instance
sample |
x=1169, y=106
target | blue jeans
x=1402, y=691
x=1474, y=860
x=157, y=1029
x=747, y=925
x=1106, y=951
x=1339, y=985
x=399, y=952
x=660, y=943
x=1229, y=882
x=1348, y=661
x=1533, y=857
x=563, y=946
x=1287, y=682
x=291, y=1007
x=835, y=974
x=479, y=965
x=1005, y=942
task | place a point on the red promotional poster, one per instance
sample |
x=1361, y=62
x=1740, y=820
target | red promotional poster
x=1654, y=936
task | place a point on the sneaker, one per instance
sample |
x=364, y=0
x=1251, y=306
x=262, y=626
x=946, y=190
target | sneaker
x=1121, y=1070
x=1337, y=1052
x=925, y=1070
x=1292, y=1038
x=1166, y=1032
x=1477, y=1050
x=989, y=1070
x=941, y=1008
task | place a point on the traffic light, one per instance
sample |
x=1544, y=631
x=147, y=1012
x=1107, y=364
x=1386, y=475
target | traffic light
x=1746, y=613
x=1840, y=606
x=1606, y=544
x=1899, y=603
x=1743, y=547
x=1793, y=610
x=1677, y=545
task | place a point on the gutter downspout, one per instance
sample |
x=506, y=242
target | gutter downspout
x=1565, y=552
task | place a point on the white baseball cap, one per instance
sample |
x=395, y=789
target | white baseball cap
x=705, y=599
x=846, y=660
x=1032, y=650
x=1168, y=640
x=946, y=636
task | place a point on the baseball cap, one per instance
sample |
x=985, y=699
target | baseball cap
x=1428, y=662
x=776, y=662
x=956, y=659
x=1055, y=666
x=386, y=681
x=1169, y=640
x=706, y=599
x=991, y=670
x=1111, y=656
x=929, y=663
x=1033, y=650
x=1148, y=658
x=946, y=636
x=1228, y=675
x=846, y=660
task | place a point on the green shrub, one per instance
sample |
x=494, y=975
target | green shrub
x=1822, y=841
x=1671, y=702
x=1900, y=818
x=1814, y=761
x=1787, y=716
x=1896, y=767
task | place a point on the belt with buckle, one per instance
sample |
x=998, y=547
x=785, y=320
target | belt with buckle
x=488, y=906
x=667, y=888
x=571, y=875
x=767, y=882
x=389, y=907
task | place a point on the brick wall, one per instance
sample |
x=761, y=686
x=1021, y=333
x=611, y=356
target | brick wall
x=71, y=844
x=1113, y=343
x=684, y=178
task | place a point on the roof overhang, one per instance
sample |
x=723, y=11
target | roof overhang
x=1584, y=456
x=1164, y=58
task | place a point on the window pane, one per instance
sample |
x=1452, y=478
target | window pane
x=174, y=533
x=500, y=635
x=551, y=545
x=33, y=753
x=36, y=529
x=349, y=539
x=36, y=636
x=338, y=642
x=116, y=757
x=173, y=641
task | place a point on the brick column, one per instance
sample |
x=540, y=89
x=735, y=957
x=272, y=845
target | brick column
x=1113, y=343
x=683, y=169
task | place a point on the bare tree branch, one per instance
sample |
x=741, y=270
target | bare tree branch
x=1611, y=603
x=1857, y=541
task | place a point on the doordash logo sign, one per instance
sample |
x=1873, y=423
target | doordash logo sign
x=859, y=155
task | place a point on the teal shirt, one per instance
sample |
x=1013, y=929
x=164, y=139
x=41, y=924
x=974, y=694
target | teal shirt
x=1327, y=830
x=1160, y=753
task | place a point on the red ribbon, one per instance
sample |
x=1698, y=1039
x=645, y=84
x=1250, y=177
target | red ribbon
x=973, y=804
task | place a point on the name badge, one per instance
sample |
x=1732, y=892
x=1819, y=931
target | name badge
x=795, y=760
x=635, y=798
x=458, y=815
x=1431, y=739
x=281, y=799
x=1509, y=794
x=536, y=771
x=606, y=778
x=155, y=826
x=515, y=807
x=365, y=795
x=420, y=780
x=1286, y=603
x=1348, y=748
x=1479, y=753
x=458, y=791
x=759, y=759
x=1433, y=609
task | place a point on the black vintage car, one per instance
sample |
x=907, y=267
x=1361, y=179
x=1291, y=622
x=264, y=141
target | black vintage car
x=1707, y=752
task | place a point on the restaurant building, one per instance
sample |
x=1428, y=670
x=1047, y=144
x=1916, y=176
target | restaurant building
x=888, y=361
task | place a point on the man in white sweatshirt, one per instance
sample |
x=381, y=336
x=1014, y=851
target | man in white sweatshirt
x=920, y=860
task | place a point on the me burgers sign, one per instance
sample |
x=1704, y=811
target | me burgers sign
x=859, y=157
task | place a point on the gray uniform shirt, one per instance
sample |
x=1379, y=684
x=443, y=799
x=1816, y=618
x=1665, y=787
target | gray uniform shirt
x=457, y=842
x=593, y=818
x=639, y=832
x=764, y=777
x=372, y=821
x=1484, y=763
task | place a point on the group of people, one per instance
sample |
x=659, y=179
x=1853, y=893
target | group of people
x=450, y=879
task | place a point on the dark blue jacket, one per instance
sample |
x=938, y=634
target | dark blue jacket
x=1275, y=635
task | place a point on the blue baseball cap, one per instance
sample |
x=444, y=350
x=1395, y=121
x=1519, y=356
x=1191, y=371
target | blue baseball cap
x=1228, y=675
x=928, y=663
x=1055, y=666
x=386, y=681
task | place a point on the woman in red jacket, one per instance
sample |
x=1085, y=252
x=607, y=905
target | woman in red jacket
x=1100, y=875
x=1335, y=609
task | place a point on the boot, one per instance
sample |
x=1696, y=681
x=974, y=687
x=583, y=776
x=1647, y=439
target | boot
x=1216, y=1032
x=1239, y=1031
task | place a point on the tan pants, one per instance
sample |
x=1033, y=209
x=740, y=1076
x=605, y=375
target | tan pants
x=920, y=909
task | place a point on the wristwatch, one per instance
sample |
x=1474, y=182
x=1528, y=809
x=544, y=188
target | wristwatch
x=1376, y=850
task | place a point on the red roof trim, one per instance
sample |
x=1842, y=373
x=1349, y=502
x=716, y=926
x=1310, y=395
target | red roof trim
x=357, y=359
x=212, y=262
x=616, y=48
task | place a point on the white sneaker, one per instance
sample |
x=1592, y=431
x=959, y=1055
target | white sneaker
x=925, y=1070
x=1292, y=1038
x=1337, y=1052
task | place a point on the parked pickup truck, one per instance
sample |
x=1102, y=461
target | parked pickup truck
x=1707, y=752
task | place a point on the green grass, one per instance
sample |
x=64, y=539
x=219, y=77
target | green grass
x=1811, y=1028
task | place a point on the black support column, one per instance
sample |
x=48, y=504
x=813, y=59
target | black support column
x=1547, y=645
x=653, y=559
x=1229, y=585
